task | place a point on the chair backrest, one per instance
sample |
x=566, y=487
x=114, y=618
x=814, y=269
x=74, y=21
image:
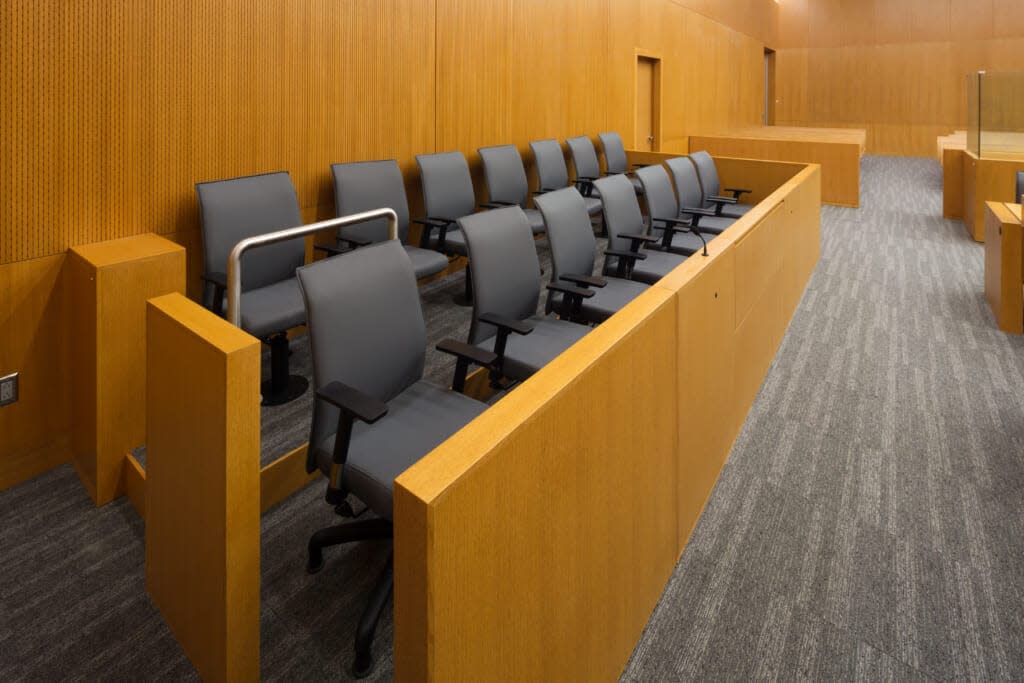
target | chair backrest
x=661, y=198
x=584, y=157
x=621, y=210
x=232, y=210
x=548, y=157
x=570, y=233
x=688, y=191
x=707, y=172
x=504, y=265
x=614, y=152
x=505, y=174
x=447, y=185
x=1020, y=188
x=365, y=325
x=367, y=185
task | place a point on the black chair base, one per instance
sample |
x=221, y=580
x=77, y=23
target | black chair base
x=295, y=387
x=346, y=533
x=281, y=387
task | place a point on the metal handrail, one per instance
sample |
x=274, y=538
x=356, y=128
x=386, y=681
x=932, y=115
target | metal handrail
x=235, y=258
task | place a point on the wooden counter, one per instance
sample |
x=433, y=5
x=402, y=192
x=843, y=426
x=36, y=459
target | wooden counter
x=983, y=180
x=1004, y=265
x=836, y=150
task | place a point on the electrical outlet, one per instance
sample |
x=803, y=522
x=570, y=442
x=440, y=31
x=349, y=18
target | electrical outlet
x=8, y=389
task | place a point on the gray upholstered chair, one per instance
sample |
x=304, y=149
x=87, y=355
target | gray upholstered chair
x=271, y=304
x=1019, y=196
x=447, y=196
x=506, y=182
x=374, y=414
x=367, y=185
x=573, y=251
x=675, y=231
x=615, y=160
x=553, y=173
x=691, y=200
x=585, y=163
x=711, y=188
x=625, y=226
x=507, y=276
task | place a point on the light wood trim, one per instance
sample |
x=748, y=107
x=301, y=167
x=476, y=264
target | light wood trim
x=203, y=487
x=110, y=283
x=514, y=510
x=283, y=477
x=133, y=483
x=1004, y=269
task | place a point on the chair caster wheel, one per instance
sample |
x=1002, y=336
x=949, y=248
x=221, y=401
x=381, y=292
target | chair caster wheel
x=315, y=563
x=363, y=666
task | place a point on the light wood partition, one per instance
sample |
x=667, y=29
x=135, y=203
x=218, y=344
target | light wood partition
x=202, y=492
x=536, y=541
x=984, y=180
x=837, y=151
x=1004, y=265
x=110, y=283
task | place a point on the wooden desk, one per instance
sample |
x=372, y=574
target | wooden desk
x=836, y=150
x=1004, y=265
x=109, y=285
x=984, y=179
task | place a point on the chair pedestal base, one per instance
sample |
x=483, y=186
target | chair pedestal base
x=295, y=386
x=466, y=298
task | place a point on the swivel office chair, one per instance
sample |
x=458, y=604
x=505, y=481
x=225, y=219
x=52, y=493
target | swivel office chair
x=615, y=160
x=625, y=225
x=553, y=173
x=676, y=232
x=691, y=199
x=507, y=276
x=573, y=250
x=366, y=185
x=711, y=189
x=447, y=196
x=506, y=182
x=374, y=414
x=585, y=163
x=271, y=304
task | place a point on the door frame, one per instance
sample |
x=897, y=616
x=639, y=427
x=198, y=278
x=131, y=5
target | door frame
x=638, y=54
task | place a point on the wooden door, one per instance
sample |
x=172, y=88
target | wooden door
x=647, y=104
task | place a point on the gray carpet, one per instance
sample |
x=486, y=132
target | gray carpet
x=868, y=524
x=870, y=521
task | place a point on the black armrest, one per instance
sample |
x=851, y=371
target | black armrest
x=431, y=222
x=464, y=355
x=719, y=199
x=218, y=279
x=694, y=211
x=585, y=280
x=541, y=191
x=496, y=205
x=737, y=192
x=332, y=249
x=501, y=322
x=353, y=402
x=220, y=285
x=356, y=241
x=586, y=178
x=620, y=253
x=675, y=224
x=573, y=290
x=641, y=165
x=638, y=240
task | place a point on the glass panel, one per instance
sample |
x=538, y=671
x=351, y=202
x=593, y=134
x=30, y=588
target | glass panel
x=973, y=114
x=1001, y=125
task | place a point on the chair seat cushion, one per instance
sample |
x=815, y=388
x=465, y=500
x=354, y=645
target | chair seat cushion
x=418, y=420
x=593, y=205
x=454, y=241
x=536, y=220
x=272, y=309
x=736, y=210
x=426, y=262
x=609, y=299
x=526, y=354
x=657, y=265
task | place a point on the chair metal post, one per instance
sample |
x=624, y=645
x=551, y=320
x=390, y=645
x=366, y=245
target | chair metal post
x=234, y=315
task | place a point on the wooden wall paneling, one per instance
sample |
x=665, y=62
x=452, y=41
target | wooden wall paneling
x=202, y=486
x=110, y=282
x=1004, y=250
x=34, y=432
